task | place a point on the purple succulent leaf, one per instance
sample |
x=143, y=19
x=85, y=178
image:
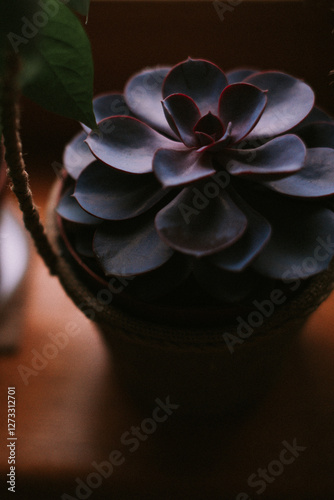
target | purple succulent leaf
x=69, y=209
x=318, y=135
x=204, y=141
x=182, y=114
x=238, y=257
x=176, y=168
x=210, y=125
x=201, y=80
x=314, y=180
x=171, y=122
x=214, y=146
x=201, y=222
x=127, y=144
x=114, y=195
x=282, y=155
x=316, y=115
x=300, y=245
x=239, y=75
x=289, y=101
x=130, y=248
x=242, y=105
x=80, y=239
x=77, y=155
x=83, y=240
x=106, y=105
x=143, y=95
x=224, y=285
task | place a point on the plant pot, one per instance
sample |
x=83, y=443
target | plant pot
x=209, y=361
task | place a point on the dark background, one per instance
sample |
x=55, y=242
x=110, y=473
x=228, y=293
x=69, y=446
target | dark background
x=294, y=37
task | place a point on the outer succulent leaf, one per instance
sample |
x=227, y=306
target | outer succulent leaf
x=289, y=101
x=224, y=285
x=199, y=79
x=176, y=168
x=127, y=144
x=318, y=135
x=201, y=222
x=83, y=240
x=244, y=251
x=239, y=75
x=316, y=115
x=68, y=208
x=130, y=248
x=314, y=180
x=281, y=155
x=301, y=243
x=106, y=105
x=114, y=195
x=77, y=155
x=242, y=105
x=143, y=95
x=182, y=115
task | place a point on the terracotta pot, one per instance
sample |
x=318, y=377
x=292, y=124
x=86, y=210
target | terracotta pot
x=218, y=365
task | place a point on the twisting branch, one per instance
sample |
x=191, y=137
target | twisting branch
x=15, y=163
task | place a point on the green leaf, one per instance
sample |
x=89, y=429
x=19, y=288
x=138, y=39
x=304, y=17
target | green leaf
x=81, y=6
x=58, y=66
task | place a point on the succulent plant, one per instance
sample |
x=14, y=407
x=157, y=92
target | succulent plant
x=226, y=180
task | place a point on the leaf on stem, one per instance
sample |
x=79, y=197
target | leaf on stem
x=58, y=68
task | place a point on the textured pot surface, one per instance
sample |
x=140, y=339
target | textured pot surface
x=202, y=382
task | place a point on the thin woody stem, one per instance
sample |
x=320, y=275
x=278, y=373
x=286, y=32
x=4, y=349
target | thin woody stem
x=15, y=163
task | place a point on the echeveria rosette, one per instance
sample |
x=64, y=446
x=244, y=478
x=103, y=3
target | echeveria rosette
x=225, y=178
